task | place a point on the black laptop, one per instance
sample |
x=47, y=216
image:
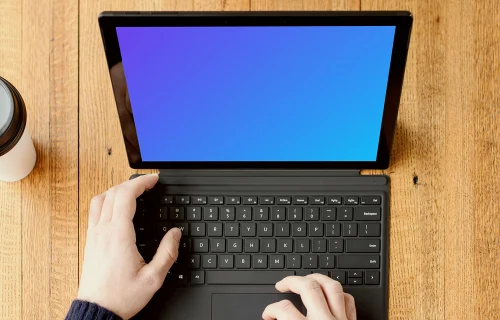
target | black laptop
x=259, y=124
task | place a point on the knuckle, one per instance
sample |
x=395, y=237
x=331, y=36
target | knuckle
x=312, y=284
x=285, y=304
x=172, y=254
x=154, y=281
x=95, y=200
x=336, y=286
x=349, y=298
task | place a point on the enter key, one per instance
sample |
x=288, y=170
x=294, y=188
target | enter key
x=363, y=246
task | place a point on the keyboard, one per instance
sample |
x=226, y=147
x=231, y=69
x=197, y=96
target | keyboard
x=262, y=239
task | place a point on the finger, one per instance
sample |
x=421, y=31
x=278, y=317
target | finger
x=310, y=292
x=350, y=306
x=334, y=294
x=283, y=310
x=165, y=256
x=125, y=200
x=107, y=206
x=95, y=209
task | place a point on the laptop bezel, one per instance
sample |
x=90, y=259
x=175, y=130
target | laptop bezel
x=108, y=21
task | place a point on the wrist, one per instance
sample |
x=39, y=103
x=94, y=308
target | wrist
x=81, y=309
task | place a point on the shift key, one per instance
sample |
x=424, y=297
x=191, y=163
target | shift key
x=354, y=261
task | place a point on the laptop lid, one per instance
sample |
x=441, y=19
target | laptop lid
x=246, y=90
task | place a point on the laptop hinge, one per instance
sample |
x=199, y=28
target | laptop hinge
x=259, y=173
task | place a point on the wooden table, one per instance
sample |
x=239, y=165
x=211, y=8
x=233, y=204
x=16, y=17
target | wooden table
x=445, y=210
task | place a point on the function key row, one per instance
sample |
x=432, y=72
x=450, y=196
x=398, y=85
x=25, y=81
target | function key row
x=269, y=200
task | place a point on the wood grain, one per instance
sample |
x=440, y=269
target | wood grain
x=444, y=229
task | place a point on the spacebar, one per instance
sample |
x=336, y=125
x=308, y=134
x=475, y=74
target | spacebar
x=247, y=277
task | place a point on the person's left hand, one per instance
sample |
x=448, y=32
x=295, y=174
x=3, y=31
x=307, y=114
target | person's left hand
x=114, y=274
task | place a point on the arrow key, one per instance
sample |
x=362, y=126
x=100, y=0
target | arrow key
x=372, y=277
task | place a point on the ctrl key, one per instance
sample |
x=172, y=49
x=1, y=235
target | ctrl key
x=197, y=277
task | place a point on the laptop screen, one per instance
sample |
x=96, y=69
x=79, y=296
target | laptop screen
x=269, y=93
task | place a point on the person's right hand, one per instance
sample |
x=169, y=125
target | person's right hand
x=323, y=298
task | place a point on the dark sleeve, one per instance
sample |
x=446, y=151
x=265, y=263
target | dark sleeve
x=83, y=310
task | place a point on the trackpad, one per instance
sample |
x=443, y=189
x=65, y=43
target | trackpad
x=245, y=306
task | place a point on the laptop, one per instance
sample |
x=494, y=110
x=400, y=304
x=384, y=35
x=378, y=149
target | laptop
x=259, y=124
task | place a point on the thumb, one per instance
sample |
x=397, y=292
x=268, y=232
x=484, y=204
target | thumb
x=165, y=256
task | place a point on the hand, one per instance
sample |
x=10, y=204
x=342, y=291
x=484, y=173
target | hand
x=323, y=298
x=114, y=274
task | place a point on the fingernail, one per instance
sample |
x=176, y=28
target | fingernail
x=177, y=234
x=153, y=175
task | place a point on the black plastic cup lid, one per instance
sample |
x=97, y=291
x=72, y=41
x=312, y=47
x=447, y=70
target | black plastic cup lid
x=12, y=116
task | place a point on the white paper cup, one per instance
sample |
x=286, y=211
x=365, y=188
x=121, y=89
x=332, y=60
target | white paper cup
x=17, y=153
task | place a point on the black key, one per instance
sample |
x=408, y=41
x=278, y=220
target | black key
x=372, y=277
x=369, y=230
x=227, y=214
x=355, y=274
x=338, y=276
x=209, y=261
x=184, y=246
x=218, y=245
x=351, y=200
x=234, y=245
x=167, y=200
x=231, y=229
x=200, y=245
x=323, y=272
x=316, y=229
x=301, y=245
x=277, y=261
x=293, y=261
x=251, y=245
x=352, y=261
x=163, y=228
x=226, y=261
x=210, y=213
x=163, y=213
x=244, y=213
x=317, y=200
x=194, y=261
x=261, y=214
x=278, y=213
x=362, y=245
x=193, y=213
x=333, y=229
x=250, y=200
x=197, y=277
x=300, y=200
x=370, y=200
x=181, y=277
x=335, y=200
x=266, y=200
x=182, y=200
x=233, y=200
x=336, y=246
x=318, y=245
x=355, y=281
x=283, y=200
x=349, y=229
x=215, y=200
x=183, y=226
x=312, y=214
x=294, y=213
x=299, y=229
x=345, y=214
x=243, y=261
x=247, y=277
x=265, y=229
x=260, y=261
x=310, y=261
x=328, y=214
x=367, y=214
x=282, y=229
x=199, y=200
x=197, y=229
x=176, y=213
x=268, y=245
x=248, y=229
x=285, y=245
x=327, y=261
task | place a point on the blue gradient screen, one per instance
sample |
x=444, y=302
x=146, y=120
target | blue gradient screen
x=257, y=93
